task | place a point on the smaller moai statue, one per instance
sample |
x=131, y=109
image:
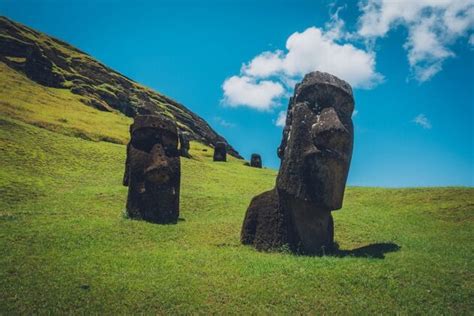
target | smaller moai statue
x=256, y=161
x=153, y=170
x=220, y=151
x=184, y=145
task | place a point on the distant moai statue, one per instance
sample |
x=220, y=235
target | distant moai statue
x=256, y=161
x=153, y=170
x=316, y=151
x=184, y=144
x=220, y=151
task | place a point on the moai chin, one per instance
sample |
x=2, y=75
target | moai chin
x=152, y=170
x=256, y=161
x=315, y=153
x=220, y=152
x=184, y=145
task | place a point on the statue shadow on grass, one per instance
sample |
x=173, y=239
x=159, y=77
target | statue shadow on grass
x=376, y=251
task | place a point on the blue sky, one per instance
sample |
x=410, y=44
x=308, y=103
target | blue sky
x=235, y=63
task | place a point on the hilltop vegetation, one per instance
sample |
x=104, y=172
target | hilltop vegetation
x=67, y=248
x=80, y=78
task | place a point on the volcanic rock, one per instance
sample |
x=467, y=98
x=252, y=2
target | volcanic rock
x=220, y=152
x=153, y=170
x=316, y=151
x=256, y=161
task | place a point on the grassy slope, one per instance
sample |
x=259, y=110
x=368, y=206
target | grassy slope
x=66, y=246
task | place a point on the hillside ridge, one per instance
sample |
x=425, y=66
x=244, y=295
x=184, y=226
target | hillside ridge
x=54, y=63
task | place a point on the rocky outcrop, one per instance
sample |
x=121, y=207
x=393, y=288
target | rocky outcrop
x=316, y=151
x=53, y=63
x=40, y=69
x=153, y=170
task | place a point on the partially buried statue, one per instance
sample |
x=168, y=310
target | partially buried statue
x=220, y=152
x=152, y=170
x=315, y=155
x=256, y=161
x=184, y=144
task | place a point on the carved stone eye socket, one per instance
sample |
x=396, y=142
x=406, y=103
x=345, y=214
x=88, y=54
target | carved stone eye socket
x=327, y=96
x=145, y=138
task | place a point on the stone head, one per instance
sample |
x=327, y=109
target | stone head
x=316, y=148
x=156, y=136
x=256, y=161
x=220, y=151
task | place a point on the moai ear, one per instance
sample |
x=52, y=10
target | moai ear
x=126, y=174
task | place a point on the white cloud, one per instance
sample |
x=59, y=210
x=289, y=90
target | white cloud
x=315, y=49
x=246, y=91
x=281, y=119
x=354, y=114
x=264, y=65
x=267, y=77
x=223, y=122
x=433, y=25
x=423, y=121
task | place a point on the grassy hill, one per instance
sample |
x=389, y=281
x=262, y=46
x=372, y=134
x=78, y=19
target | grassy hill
x=82, y=79
x=67, y=248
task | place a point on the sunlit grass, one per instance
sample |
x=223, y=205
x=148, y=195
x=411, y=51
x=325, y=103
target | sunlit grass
x=67, y=248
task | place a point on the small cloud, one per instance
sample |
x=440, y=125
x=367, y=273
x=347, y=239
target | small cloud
x=354, y=114
x=281, y=119
x=219, y=120
x=433, y=27
x=423, y=121
x=260, y=95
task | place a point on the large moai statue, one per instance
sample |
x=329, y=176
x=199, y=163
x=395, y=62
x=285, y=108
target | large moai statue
x=184, y=145
x=315, y=153
x=256, y=161
x=152, y=170
x=220, y=151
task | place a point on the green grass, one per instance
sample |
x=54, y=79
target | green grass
x=67, y=248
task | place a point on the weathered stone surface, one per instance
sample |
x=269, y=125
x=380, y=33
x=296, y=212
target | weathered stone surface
x=316, y=151
x=152, y=170
x=184, y=144
x=220, y=152
x=40, y=69
x=256, y=161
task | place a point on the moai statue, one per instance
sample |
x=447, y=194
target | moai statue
x=152, y=170
x=315, y=154
x=256, y=161
x=184, y=144
x=220, y=151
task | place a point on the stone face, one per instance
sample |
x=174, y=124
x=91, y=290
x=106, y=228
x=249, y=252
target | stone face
x=256, y=161
x=184, y=145
x=152, y=170
x=220, y=152
x=315, y=153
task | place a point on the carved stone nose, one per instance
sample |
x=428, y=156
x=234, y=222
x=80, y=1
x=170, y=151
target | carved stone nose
x=329, y=134
x=158, y=170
